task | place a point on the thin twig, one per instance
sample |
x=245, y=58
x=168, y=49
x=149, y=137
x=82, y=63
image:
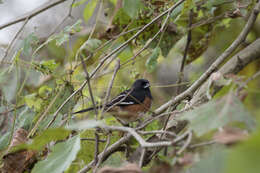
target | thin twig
x=89, y=86
x=11, y=110
x=117, y=67
x=66, y=101
x=216, y=64
x=141, y=161
x=114, y=51
x=157, y=132
x=13, y=40
x=102, y=154
x=249, y=79
x=100, y=2
x=119, y=48
x=91, y=139
x=150, y=120
x=31, y=14
x=95, y=109
x=182, y=136
x=186, y=144
x=181, y=73
x=44, y=113
x=202, y=144
x=64, y=19
x=105, y=153
x=131, y=132
x=96, y=147
x=161, y=30
x=140, y=140
x=108, y=42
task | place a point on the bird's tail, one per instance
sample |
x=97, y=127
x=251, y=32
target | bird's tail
x=86, y=110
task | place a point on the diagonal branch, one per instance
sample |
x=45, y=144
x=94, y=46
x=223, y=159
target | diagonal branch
x=120, y=48
x=216, y=64
x=32, y=14
x=13, y=40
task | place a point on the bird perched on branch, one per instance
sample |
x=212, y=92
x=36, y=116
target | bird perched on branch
x=129, y=105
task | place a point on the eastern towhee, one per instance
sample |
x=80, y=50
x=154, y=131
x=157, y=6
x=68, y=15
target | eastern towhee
x=129, y=105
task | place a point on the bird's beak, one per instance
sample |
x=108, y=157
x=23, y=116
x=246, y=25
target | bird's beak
x=147, y=85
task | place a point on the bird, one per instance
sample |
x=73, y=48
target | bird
x=130, y=105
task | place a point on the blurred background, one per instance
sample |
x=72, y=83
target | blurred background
x=44, y=59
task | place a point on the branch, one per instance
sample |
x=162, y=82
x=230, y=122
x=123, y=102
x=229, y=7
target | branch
x=142, y=157
x=64, y=19
x=45, y=113
x=186, y=144
x=216, y=64
x=89, y=86
x=233, y=66
x=13, y=40
x=119, y=48
x=113, y=52
x=185, y=52
x=140, y=140
x=117, y=67
x=102, y=154
x=66, y=101
x=157, y=132
x=109, y=150
x=32, y=14
x=202, y=144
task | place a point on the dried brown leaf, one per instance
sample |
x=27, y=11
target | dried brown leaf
x=19, y=161
x=230, y=136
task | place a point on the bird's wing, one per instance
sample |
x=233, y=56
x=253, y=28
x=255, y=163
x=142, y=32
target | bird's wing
x=122, y=99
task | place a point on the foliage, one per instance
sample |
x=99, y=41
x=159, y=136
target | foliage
x=218, y=113
x=61, y=157
x=41, y=85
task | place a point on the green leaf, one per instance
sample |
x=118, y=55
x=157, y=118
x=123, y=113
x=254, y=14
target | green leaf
x=151, y=62
x=61, y=38
x=4, y=139
x=28, y=42
x=43, y=139
x=66, y=92
x=46, y=67
x=89, y=9
x=218, y=113
x=61, y=157
x=245, y=157
x=211, y=3
x=78, y=3
x=188, y=4
x=50, y=64
x=45, y=91
x=114, y=2
x=76, y=27
x=215, y=159
x=8, y=83
x=132, y=7
x=25, y=119
x=91, y=45
x=16, y=59
x=176, y=12
x=83, y=125
x=33, y=102
x=125, y=54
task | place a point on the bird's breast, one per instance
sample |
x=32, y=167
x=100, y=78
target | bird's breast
x=132, y=112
